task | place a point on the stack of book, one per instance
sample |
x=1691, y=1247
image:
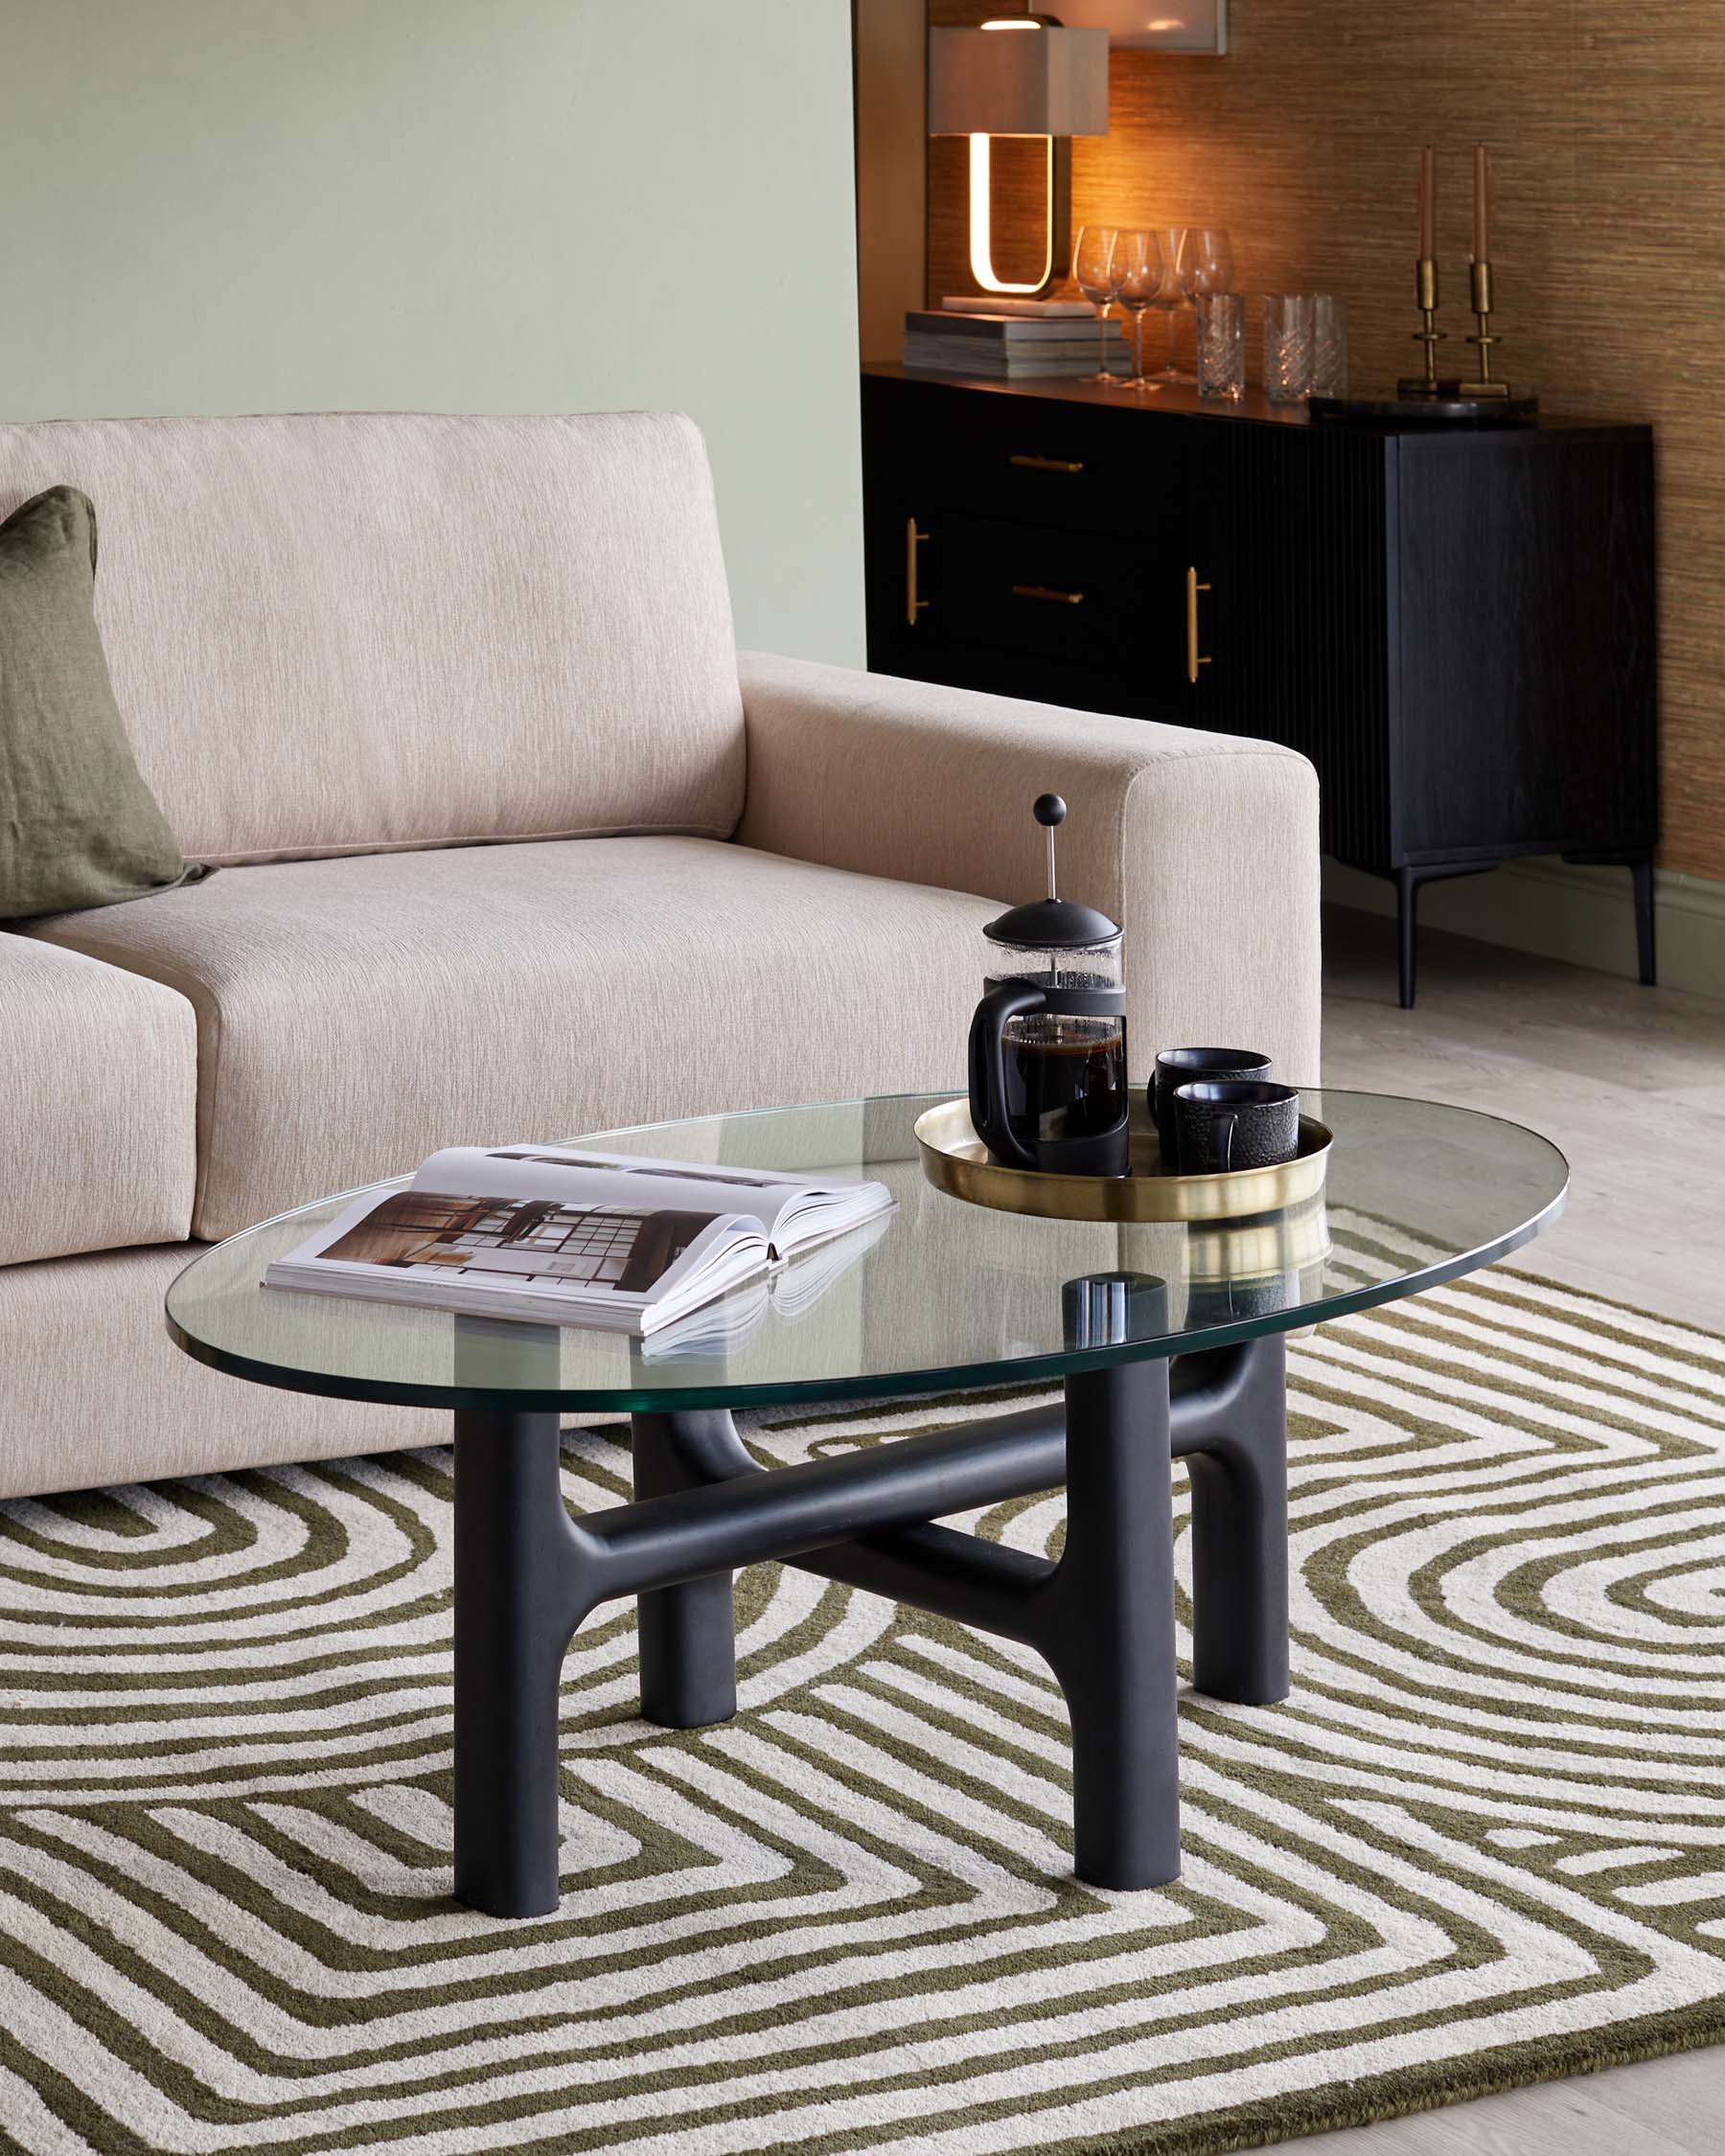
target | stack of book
x=1011, y=347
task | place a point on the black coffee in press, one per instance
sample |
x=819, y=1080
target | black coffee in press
x=1065, y=1076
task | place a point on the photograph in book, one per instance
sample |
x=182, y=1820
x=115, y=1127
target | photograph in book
x=558, y=1235
x=529, y=1239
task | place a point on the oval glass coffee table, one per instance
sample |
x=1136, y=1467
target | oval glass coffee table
x=1167, y=1340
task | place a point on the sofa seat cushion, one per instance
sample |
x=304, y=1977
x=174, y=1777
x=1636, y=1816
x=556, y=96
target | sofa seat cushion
x=99, y=1073
x=355, y=1014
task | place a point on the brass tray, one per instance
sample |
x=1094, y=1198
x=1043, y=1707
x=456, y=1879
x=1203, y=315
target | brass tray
x=1269, y=1247
x=955, y=1160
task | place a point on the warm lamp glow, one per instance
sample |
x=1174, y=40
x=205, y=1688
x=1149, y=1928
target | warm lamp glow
x=981, y=249
x=1048, y=89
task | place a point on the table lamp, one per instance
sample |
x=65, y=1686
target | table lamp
x=1018, y=75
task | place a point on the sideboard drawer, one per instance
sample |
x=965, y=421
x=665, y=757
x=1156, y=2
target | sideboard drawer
x=1074, y=596
x=1045, y=463
x=1043, y=475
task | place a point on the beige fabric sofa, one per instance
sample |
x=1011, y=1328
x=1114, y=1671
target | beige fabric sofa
x=515, y=846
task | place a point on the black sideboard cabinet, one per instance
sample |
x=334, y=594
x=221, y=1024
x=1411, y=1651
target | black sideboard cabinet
x=1456, y=625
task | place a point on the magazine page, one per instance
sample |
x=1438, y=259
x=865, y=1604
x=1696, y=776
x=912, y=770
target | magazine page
x=724, y=1327
x=611, y=1265
x=793, y=1211
x=799, y=1286
x=575, y=1238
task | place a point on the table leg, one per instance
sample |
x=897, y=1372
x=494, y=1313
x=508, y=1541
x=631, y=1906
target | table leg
x=1106, y=1625
x=1232, y=1428
x=687, y=1635
x=513, y=1616
x=1103, y=1617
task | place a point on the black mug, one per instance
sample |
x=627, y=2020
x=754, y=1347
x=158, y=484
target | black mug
x=1225, y=1125
x=1186, y=1066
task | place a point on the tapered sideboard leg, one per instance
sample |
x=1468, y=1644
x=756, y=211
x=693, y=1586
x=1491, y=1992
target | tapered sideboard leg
x=1640, y=877
x=1646, y=956
x=1407, y=932
x=511, y=1632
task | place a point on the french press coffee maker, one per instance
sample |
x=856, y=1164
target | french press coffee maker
x=1047, y=1043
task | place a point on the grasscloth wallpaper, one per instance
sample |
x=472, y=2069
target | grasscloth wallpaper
x=1609, y=237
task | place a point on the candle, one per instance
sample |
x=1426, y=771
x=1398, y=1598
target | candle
x=1482, y=247
x=1428, y=204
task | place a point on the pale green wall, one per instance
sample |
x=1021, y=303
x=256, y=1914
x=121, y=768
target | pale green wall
x=457, y=205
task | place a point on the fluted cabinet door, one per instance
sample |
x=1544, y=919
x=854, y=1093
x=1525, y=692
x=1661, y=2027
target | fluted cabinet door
x=1290, y=536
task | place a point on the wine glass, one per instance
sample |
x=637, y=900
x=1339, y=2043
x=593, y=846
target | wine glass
x=1138, y=276
x=1175, y=290
x=1212, y=261
x=1093, y=274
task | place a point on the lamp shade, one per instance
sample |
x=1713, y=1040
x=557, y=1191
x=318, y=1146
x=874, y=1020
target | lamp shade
x=1153, y=26
x=1025, y=80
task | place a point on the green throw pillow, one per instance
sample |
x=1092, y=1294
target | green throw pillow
x=78, y=825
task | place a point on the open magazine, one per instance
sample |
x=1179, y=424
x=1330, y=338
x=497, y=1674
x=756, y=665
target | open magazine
x=567, y=1237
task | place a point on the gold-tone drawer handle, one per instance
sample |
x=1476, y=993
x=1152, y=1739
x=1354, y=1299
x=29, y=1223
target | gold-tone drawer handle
x=1044, y=464
x=1193, y=660
x=1043, y=591
x=913, y=539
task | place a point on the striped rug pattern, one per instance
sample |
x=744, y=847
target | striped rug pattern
x=1483, y=1843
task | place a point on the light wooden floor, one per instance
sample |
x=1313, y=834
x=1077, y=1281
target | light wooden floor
x=1630, y=1083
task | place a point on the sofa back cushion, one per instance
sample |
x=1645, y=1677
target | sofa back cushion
x=342, y=632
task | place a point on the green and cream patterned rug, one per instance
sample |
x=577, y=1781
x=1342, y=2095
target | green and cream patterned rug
x=1484, y=1842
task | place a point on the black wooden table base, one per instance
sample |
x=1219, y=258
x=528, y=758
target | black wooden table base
x=1102, y=1615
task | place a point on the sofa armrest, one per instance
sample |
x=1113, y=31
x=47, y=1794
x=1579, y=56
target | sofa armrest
x=99, y=1130
x=1203, y=846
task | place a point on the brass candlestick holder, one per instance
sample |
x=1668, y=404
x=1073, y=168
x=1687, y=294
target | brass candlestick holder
x=1425, y=298
x=1484, y=386
x=1486, y=399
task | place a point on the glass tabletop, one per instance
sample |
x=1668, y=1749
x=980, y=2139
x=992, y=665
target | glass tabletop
x=942, y=1294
